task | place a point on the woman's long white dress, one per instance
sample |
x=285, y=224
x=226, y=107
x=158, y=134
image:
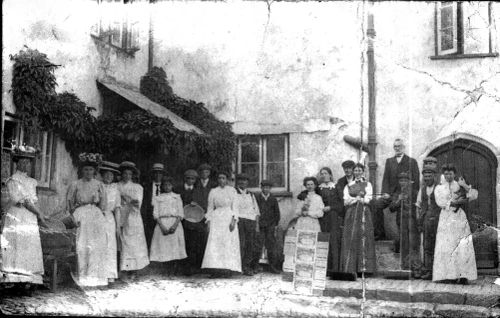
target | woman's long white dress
x=22, y=258
x=91, y=233
x=167, y=207
x=315, y=211
x=134, y=250
x=454, y=255
x=223, y=246
x=113, y=203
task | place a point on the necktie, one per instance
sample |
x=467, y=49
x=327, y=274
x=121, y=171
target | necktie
x=157, y=189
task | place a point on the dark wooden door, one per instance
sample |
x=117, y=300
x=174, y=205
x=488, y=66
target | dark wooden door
x=478, y=165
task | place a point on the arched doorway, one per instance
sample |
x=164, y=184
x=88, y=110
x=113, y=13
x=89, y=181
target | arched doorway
x=478, y=165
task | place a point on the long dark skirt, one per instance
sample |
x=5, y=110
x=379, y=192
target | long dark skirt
x=332, y=223
x=352, y=243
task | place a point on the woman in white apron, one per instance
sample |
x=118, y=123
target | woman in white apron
x=21, y=249
x=86, y=202
x=454, y=257
x=108, y=171
x=222, y=254
x=134, y=250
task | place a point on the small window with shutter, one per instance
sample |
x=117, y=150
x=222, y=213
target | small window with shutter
x=447, y=32
x=464, y=29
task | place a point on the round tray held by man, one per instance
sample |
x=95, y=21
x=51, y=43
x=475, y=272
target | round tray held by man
x=193, y=213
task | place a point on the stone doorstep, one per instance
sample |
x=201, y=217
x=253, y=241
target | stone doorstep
x=393, y=290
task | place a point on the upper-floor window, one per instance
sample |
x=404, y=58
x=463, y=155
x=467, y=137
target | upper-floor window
x=463, y=28
x=264, y=157
x=115, y=29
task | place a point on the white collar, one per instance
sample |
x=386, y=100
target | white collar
x=188, y=187
x=266, y=196
x=329, y=185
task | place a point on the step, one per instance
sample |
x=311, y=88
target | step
x=482, y=292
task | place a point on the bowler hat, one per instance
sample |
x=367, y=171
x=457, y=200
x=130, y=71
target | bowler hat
x=109, y=166
x=191, y=173
x=158, y=167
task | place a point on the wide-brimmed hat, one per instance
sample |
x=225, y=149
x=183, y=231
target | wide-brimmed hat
x=191, y=173
x=90, y=159
x=204, y=166
x=109, y=166
x=158, y=167
x=128, y=165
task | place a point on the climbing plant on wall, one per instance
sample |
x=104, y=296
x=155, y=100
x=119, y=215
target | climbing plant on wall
x=220, y=148
x=118, y=136
x=38, y=106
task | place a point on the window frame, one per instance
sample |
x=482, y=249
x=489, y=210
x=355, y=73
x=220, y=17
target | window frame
x=47, y=153
x=455, y=49
x=459, y=35
x=125, y=41
x=263, y=160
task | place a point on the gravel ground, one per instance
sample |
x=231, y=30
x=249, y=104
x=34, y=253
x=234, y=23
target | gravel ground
x=264, y=295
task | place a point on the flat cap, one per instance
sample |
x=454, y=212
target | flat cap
x=191, y=173
x=204, y=166
x=265, y=183
x=429, y=168
x=242, y=176
x=348, y=164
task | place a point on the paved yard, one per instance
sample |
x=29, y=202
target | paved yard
x=264, y=295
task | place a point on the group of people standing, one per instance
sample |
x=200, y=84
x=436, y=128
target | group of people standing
x=354, y=217
x=213, y=226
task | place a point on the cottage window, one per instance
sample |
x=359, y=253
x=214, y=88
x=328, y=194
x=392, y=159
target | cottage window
x=43, y=162
x=264, y=157
x=463, y=29
x=43, y=166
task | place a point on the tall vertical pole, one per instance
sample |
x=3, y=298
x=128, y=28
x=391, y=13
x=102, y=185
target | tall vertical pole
x=150, y=37
x=372, y=128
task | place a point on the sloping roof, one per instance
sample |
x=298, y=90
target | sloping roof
x=145, y=103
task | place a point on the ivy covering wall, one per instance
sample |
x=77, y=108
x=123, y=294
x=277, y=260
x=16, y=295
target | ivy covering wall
x=133, y=135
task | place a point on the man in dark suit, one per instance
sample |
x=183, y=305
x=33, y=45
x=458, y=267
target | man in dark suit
x=203, y=186
x=152, y=188
x=192, y=231
x=390, y=184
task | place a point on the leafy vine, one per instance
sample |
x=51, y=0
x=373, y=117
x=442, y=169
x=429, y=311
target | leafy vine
x=124, y=136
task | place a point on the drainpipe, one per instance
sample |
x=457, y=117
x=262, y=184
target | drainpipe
x=150, y=38
x=372, y=128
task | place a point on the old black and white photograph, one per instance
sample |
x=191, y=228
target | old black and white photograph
x=250, y=158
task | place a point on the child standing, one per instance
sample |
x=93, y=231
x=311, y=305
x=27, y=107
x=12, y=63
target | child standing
x=168, y=237
x=268, y=221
